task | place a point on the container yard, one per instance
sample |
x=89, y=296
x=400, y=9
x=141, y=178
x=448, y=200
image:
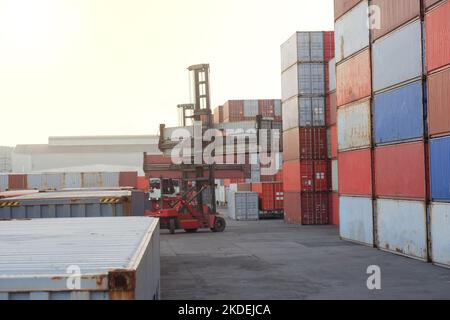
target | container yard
x=324, y=175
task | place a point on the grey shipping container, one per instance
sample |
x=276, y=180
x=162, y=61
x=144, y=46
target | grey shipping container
x=302, y=47
x=251, y=108
x=306, y=79
x=243, y=206
x=72, y=204
x=303, y=112
x=80, y=259
x=3, y=182
x=397, y=57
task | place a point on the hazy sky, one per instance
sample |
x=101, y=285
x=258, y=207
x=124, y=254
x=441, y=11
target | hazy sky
x=111, y=67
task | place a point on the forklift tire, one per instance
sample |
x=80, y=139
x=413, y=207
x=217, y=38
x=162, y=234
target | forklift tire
x=191, y=230
x=172, y=226
x=219, y=225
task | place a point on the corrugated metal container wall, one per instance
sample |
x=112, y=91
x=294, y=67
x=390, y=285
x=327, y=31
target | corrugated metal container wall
x=352, y=32
x=401, y=227
x=292, y=207
x=251, y=108
x=355, y=170
x=440, y=237
x=128, y=179
x=328, y=45
x=354, y=126
x=438, y=37
x=35, y=181
x=398, y=114
x=3, y=182
x=394, y=14
x=72, y=180
x=398, y=57
x=277, y=108
x=354, y=79
x=305, y=176
x=305, y=143
x=17, y=182
x=356, y=219
x=119, y=259
x=302, y=47
x=266, y=108
x=439, y=103
x=400, y=171
x=342, y=6
x=332, y=74
x=334, y=176
x=429, y=3
x=303, y=112
x=314, y=209
x=53, y=181
x=303, y=79
x=333, y=142
x=243, y=206
x=440, y=169
x=334, y=209
x=333, y=108
x=233, y=111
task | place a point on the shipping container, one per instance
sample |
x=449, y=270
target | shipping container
x=303, y=112
x=126, y=179
x=355, y=172
x=233, y=111
x=333, y=142
x=306, y=79
x=437, y=26
x=114, y=258
x=394, y=14
x=334, y=176
x=3, y=182
x=328, y=45
x=292, y=207
x=356, y=220
x=440, y=169
x=401, y=227
x=400, y=171
x=17, y=182
x=302, y=47
x=244, y=187
x=251, y=108
x=315, y=208
x=305, y=176
x=429, y=3
x=243, y=206
x=343, y=6
x=397, y=58
x=72, y=204
x=354, y=79
x=354, y=126
x=352, y=32
x=72, y=180
x=271, y=195
x=332, y=75
x=398, y=114
x=440, y=237
x=333, y=109
x=439, y=103
x=305, y=144
x=334, y=208
x=266, y=108
x=218, y=115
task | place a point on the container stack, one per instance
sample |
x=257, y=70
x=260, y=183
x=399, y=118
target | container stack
x=247, y=110
x=437, y=22
x=304, y=61
x=332, y=143
x=353, y=98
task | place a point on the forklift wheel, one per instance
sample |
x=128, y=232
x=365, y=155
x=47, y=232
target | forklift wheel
x=219, y=225
x=172, y=226
x=191, y=230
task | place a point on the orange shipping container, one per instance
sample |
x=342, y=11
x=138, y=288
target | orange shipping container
x=437, y=26
x=354, y=80
x=439, y=103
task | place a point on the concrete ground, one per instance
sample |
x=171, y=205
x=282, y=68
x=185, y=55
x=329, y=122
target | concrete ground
x=272, y=260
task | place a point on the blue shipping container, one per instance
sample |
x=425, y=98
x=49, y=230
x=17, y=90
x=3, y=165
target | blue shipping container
x=440, y=169
x=398, y=114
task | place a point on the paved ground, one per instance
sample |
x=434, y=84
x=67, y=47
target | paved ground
x=271, y=260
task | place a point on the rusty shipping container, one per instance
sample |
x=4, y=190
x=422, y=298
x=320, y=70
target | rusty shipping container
x=400, y=171
x=439, y=103
x=17, y=182
x=354, y=79
x=394, y=14
x=355, y=171
x=437, y=26
x=354, y=126
x=128, y=179
x=112, y=258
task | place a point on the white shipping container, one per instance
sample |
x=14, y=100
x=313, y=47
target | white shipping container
x=115, y=259
x=440, y=235
x=352, y=32
x=354, y=126
x=401, y=227
x=306, y=79
x=302, y=47
x=334, y=176
x=3, y=182
x=243, y=206
x=398, y=57
x=356, y=219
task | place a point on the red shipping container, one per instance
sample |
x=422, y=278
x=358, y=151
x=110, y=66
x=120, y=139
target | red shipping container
x=315, y=208
x=429, y=3
x=334, y=142
x=439, y=103
x=437, y=23
x=270, y=194
x=267, y=108
x=233, y=111
x=354, y=79
x=305, y=144
x=305, y=176
x=128, y=179
x=327, y=78
x=292, y=207
x=355, y=172
x=279, y=176
x=17, y=182
x=327, y=110
x=333, y=109
x=342, y=6
x=400, y=171
x=328, y=45
x=334, y=208
x=157, y=159
x=143, y=184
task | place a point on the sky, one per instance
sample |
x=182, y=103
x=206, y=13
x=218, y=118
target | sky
x=119, y=67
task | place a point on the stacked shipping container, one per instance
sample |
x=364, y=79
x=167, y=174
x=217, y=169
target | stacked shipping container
x=437, y=34
x=382, y=121
x=304, y=77
x=247, y=110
